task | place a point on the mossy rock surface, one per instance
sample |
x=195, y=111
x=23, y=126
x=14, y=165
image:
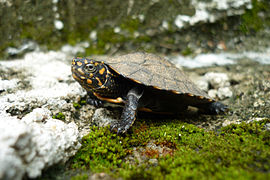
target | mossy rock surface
x=236, y=151
x=133, y=25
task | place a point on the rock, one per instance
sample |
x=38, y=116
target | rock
x=228, y=122
x=30, y=145
x=203, y=85
x=103, y=117
x=256, y=119
x=30, y=139
x=25, y=47
x=238, y=121
x=212, y=93
x=267, y=126
x=78, y=48
x=37, y=115
x=153, y=162
x=224, y=92
x=258, y=103
x=8, y=84
x=217, y=80
x=170, y=18
x=150, y=153
x=212, y=10
x=100, y=176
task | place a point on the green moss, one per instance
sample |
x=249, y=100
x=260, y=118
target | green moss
x=130, y=24
x=236, y=151
x=59, y=115
x=101, y=150
x=80, y=177
x=187, y=51
x=251, y=21
x=78, y=105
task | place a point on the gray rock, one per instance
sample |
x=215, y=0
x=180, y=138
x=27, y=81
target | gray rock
x=219, y=82
x=34, y=143
x=26, y=47
x=224, y=92
x=100, y=176
x=30, y=139
x=267, y=126
x=153, y=162
x=212, y=10
x=103, y=117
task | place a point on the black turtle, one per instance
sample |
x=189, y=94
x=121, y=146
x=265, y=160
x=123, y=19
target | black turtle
x=140, y=81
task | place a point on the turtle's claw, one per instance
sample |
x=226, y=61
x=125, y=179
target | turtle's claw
x=217, y=108
x=94, y=102
x=119, y=128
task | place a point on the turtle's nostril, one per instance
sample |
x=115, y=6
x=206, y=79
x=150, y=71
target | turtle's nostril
x=74, y=61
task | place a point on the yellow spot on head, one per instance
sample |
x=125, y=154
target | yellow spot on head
x=91, y=75
x=89, y=81
x=79, y=63
x=96, y=64
x=102, y=62
x=75, y=77
x=73, y=62
x=80, y=71
x=82, y=77
x=101, y=71
x=210, y=100
x=85, y=61
x=99, y=82
x=190, y=94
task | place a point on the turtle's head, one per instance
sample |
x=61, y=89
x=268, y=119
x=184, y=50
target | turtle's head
x=91, y=74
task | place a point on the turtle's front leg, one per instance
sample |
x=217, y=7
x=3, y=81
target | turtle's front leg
x=129, y=112
x=93, y=100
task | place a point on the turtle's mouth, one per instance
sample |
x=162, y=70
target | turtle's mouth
x=77, y=75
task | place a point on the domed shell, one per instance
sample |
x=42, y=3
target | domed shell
x=152, y=70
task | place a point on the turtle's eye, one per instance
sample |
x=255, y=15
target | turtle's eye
x=90, y=68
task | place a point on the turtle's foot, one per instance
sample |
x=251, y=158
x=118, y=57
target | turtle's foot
x=94, y=102
x=121, y=127
x=216, y=108
x=127, y=118
x=129, y=112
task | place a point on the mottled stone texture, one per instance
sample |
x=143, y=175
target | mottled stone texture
x=127, y=24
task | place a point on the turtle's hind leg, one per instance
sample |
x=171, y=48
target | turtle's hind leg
x=129, y=112
x=214, y=108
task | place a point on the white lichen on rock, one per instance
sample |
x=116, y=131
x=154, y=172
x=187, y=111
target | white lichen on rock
x=210, y=11
x=33, y=141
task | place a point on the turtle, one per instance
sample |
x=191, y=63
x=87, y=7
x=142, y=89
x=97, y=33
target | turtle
x=140, y=81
